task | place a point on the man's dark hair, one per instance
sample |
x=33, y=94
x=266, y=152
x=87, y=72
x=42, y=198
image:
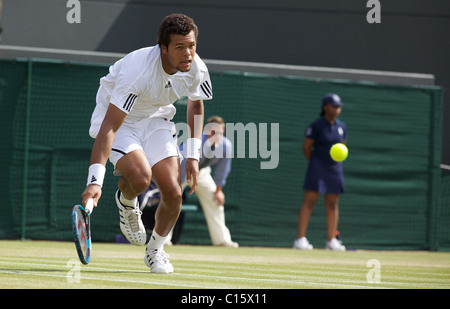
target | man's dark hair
x=175, y=24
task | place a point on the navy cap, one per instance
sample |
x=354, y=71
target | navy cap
x=333, y=99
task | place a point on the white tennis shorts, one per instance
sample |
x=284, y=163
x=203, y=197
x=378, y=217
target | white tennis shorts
x=157, y=137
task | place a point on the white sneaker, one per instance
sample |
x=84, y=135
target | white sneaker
x=158, y=261
x=230, y=244
x=334, y=245
x=130, y=223
x=302, y=244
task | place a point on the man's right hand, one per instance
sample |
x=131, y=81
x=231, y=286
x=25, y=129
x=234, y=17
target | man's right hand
x=91, y=191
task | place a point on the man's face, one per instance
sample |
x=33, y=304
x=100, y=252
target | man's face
x=178, y=56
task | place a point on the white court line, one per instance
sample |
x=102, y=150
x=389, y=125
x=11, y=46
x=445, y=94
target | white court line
x=30, y=272
x=342, y=283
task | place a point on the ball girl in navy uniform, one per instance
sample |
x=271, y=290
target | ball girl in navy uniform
x=324, y=175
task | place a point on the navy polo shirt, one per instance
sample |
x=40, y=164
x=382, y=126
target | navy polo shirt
x=326, y=135
x=324, y=175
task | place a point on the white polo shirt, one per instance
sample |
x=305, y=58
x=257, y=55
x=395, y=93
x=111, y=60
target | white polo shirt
x=138, y=85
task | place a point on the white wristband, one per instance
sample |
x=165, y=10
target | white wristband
x=193, y=148
x=96, y=174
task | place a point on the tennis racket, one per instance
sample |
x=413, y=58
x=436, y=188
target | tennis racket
x=82, y=230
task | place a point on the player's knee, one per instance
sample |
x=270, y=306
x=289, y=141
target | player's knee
x=140, y=184
x=172, y=196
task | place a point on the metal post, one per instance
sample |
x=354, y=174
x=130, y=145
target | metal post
x=26, y=149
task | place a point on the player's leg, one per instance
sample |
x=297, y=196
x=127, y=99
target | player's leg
x=136, y=174
x=136, y=177
x=332, y=217
x=163, y=155
x=166, y=175
x=309, y=200
x=214, y=213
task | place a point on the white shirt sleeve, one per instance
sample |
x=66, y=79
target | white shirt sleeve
x=202, y=87
x=125, y=91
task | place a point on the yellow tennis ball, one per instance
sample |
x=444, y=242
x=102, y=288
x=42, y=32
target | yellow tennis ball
x=339, y=152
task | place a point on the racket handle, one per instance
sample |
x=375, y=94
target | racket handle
x=89, y=206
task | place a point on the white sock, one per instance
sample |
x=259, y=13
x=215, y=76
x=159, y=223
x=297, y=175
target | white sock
x=156, y=242
x=126, y=202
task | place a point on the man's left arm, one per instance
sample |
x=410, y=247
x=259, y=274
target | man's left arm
x=194, y=119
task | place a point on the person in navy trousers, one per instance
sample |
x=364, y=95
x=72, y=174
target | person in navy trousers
x=324, y=175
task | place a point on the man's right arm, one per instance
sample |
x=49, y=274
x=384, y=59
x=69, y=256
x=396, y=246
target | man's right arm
x=101, y=150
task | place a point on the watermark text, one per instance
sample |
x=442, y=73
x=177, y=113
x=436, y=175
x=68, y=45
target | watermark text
x=249, y=140
x=374, y=14
x=74, y=14
x=74, y=273
x=374, y=274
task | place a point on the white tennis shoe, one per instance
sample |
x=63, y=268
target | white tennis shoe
x=131, y=223
x=158, y=261
x=302, y=244
x=334, y=245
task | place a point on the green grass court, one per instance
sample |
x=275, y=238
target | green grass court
x=55, y=265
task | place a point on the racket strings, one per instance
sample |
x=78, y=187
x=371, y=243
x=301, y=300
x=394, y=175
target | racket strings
x=81, y=232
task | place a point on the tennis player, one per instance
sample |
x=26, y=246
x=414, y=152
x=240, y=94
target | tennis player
x=132, y=126
x=324, y=176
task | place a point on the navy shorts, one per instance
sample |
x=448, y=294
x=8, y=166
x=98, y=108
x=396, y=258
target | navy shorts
x=324, y=177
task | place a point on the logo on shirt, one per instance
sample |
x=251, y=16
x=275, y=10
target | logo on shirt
x=168, y=85
x=341, y=131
